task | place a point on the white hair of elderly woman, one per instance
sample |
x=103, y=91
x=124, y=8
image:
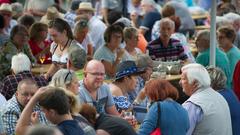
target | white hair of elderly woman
x=197, y=72
x=20, y=63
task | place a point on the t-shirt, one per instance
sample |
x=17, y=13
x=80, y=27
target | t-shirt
x=70, y=127
x=173, y=52
x=104, y=97
x=114, y=125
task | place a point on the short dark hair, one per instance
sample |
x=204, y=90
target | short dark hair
x=159, y=89
x=113, y=16
x=26, y=20
x=110, y=30
x=60, y=25
x=16, y=29
x=168, y=11
x=55, y=98
x=36, y=28
x=28, y=81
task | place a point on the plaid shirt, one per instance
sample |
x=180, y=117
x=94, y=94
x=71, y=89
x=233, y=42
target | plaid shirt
x=11, y=113
x=9, y=84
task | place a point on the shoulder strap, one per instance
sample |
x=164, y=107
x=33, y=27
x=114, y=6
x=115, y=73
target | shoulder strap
x=158, y=113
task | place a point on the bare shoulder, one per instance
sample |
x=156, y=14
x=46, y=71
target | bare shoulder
x=115, y=90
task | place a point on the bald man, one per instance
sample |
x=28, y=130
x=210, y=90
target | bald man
x=93, y=91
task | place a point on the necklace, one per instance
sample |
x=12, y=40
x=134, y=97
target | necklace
x=64, y=46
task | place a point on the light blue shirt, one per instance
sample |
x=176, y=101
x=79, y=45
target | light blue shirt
x=195, y=115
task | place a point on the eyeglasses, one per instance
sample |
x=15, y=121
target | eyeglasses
x=27, y=94
x=97, y=74
x=69, y=74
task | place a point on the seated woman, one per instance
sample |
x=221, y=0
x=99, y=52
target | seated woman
x=110, y=54
x=218, y=83
x=125, y=81
x=63, y=40
x=130, y=35
x=18, y=43
x=66, y=79
x=81, y=36
x=39, y=45
x=173, y=118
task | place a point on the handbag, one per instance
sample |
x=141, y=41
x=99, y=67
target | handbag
x=157, y=130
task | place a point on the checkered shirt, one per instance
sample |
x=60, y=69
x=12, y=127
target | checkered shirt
x=9, y=84
x=11, y=113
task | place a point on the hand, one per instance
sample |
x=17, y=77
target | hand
x=39, y=93
x=131, y=120
x=46, y=76
x=35, y=118
x=120, y=52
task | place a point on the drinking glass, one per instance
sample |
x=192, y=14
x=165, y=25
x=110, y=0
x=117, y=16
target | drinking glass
x=169, y=67
x=42, y=58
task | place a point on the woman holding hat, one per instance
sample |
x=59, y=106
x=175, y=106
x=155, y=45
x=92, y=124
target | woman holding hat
x=125, y=81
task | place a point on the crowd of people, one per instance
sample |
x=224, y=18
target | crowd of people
x=101, y=56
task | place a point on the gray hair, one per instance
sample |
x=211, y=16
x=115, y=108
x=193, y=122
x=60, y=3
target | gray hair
x=20, y=63
x=232, y=17
x=128, y=32
x=218, y=78
x=197, y=72
x=80, y=25
x=222, y=21
x=204, y=34
x=167, y=20
x=62, y=78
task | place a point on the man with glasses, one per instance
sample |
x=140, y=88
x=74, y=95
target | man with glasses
x=14, y=107
x=93, y=91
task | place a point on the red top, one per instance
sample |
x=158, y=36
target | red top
x=236, y=80
x=4, y=1
x=36, y=49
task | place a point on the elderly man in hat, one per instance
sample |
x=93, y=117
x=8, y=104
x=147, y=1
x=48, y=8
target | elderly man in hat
x=93, y=91
x=96, y=26
x=6, y=12
x=51, y=14
x=208, y=111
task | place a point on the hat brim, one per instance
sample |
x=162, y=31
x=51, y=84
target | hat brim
x=88, y=9
x=139, y=71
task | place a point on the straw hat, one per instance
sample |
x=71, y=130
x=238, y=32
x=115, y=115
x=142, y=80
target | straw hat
x=6, y=7
x=86, y=6
x=51, y=14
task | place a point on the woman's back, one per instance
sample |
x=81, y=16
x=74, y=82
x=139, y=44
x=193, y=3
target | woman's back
x=173, y=121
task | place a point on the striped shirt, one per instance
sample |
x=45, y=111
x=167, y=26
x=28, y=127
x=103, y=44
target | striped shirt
x=173, y=52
